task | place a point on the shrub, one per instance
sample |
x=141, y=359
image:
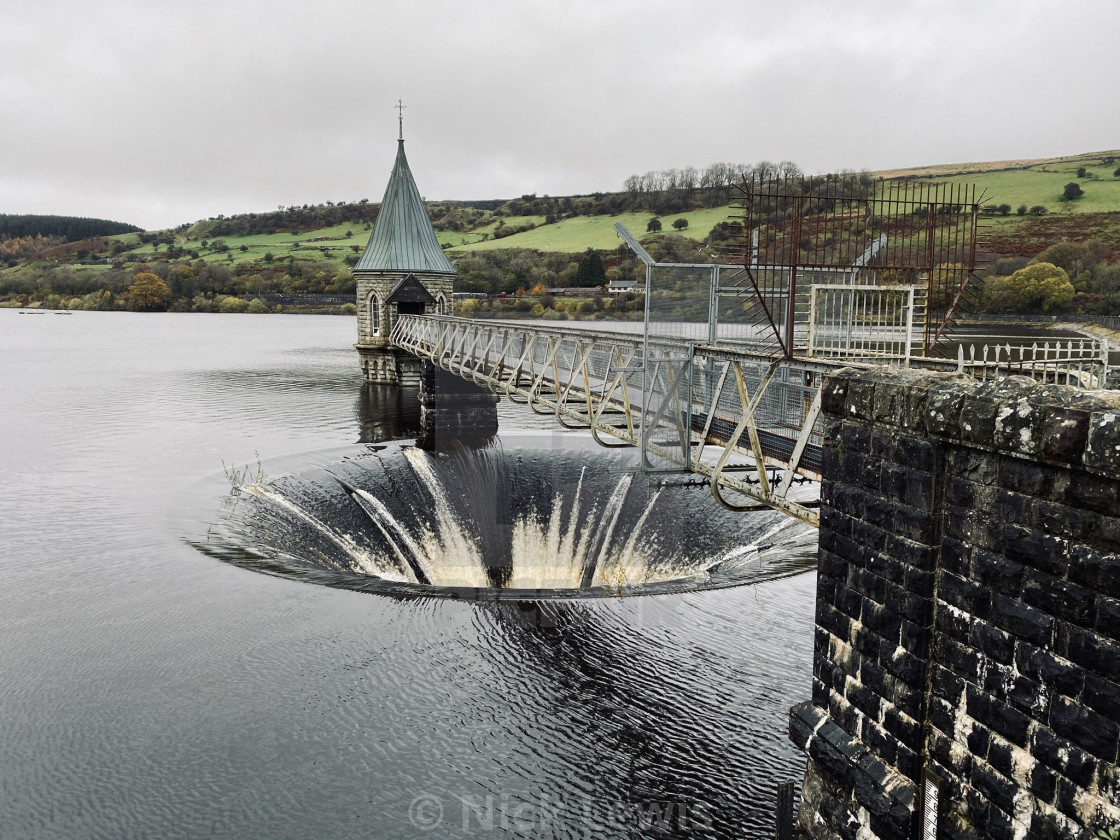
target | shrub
x=232, y=303
x=258, y=307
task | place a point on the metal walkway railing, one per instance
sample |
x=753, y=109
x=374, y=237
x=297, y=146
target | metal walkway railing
x=748, y=423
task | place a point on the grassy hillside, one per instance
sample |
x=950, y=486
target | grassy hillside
x=572, y=236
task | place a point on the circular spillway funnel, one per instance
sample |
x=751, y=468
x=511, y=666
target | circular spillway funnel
x=532, y=516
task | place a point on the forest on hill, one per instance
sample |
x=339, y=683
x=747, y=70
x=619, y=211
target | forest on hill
x=1062, y=212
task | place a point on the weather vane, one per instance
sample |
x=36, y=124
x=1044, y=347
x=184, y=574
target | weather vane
x=400, y=106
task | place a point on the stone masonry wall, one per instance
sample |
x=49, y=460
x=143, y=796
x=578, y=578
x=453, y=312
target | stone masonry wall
x=968, y=610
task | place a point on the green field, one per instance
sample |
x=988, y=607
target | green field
x=334, y=245
x=574, y=235
x=1044, y=186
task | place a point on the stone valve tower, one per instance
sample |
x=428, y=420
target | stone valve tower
x=403, y=271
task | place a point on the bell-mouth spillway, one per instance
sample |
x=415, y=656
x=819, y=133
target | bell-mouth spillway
x=528, y=516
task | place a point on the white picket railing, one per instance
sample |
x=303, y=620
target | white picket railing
x=1080, y=362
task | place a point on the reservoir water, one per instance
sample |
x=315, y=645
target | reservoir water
x=150, y=690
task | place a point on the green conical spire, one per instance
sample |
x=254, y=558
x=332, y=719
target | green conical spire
x=403, y=238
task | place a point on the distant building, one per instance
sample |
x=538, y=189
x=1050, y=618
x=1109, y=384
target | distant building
x=402, y=271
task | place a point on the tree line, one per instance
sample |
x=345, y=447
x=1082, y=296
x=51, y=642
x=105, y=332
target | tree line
x=70, y=228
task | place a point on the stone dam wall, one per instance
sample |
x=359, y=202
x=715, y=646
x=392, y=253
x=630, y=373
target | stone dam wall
x=966, y=679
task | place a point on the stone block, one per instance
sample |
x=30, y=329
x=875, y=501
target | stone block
x=978, y=740
x=906, y=729
x=861, y=471
x=953, y=623
x=856, y=437
x=1023, y=476
x=884, y=564
x=1102, y=449
x=919, y=582
x=1096, y=569
x=1063, y=756
x=999, y=717
x=1108, y=618
x=941, y=750
x=1050, y=825
x=997, y=788
x=831, y=565
x=945, y=684
x=849, y=601
x=961, y=492
x=960, y=659
x=997, y=645
x=1046, y=669
x=868, y=535
x=977, y=528
x=943, y=408
x=834, y=621
x=1027, y=696
x=973, y=465
x=1093, y=493
x=834, y=392
x=1063, y=521
x=1022, y=620
x=1043, y=783
x=1016, y=427
x=902, y=664
x=884, y=622
x=999, y=825
x=1089, y=650
x=859, y=403
x=919, y=453
x=1036, y=549
x=1059, y=597
x=956, y=557
x=1063, y=432
x=942, y=715
x=1102, y=696
x=965, y=595
x=915, y=638
x=997, y=572
x=912, y=523
x=879, y=741
x=1010, y=508
x=1093, y=732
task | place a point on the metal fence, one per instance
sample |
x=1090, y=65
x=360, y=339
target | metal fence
x=874, y=323
x=1081, y=362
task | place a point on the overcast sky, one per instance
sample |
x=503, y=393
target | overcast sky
x=159, y=113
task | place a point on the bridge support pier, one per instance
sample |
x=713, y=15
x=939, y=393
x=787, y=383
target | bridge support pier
x=453, y=409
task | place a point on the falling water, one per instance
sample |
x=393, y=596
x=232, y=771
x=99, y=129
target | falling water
x=509, y=518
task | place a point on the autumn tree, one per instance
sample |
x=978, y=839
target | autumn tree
x=1041, y=287
x=148, y=293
